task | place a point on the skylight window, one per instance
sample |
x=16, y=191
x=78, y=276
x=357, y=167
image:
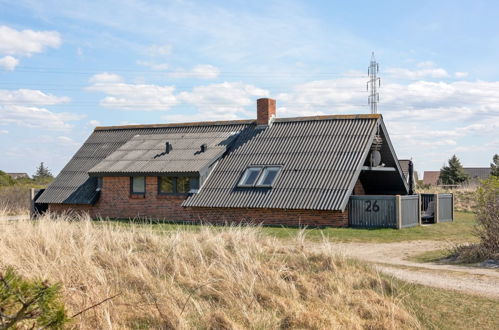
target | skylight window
x=259, y=176
x=250, y=176
x=268, y=176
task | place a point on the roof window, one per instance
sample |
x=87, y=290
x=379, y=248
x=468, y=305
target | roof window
x=259, y=176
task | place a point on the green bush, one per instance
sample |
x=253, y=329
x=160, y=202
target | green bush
x=5, y=179
x=487, y=229
x=487, y=215
x=33, y=304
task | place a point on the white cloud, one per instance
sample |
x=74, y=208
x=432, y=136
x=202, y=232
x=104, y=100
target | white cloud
x=154, y=66
x=123, y=96
x=225, y=100
x=23, y=107
x=36, y=117
x=202, y=71
x=461, y=74
x=105, y=77
x=30, y=97
x=94, y=123
x=425, y=72
x=159, y=50
x=9, y=63
x=26, y=42
x=4, y=131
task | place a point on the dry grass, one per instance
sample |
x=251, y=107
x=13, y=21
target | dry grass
x=212, y=279
x=14, y=200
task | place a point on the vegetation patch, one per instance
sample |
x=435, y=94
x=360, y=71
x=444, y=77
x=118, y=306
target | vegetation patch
x=211, y=279
x=446, y=309
x=487, y=228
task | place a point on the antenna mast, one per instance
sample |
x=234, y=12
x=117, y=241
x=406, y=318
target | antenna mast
x=373, y=84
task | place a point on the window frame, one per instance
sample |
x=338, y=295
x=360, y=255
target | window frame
x=174, y=184
x=261, y=176
x=257, y=184
x=132, y=192
x=244, y=175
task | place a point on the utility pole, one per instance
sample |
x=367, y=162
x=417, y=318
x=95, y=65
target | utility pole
x=373, y=84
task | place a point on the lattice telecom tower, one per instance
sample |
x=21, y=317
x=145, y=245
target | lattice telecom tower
x=373, y=84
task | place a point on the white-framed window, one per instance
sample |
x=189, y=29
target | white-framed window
x=259, y=176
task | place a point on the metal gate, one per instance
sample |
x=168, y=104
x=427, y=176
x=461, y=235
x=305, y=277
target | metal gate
x=372, y=212
x=409, y=211
x=445, y=207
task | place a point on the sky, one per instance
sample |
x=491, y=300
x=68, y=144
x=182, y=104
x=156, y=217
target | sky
x=68, y=66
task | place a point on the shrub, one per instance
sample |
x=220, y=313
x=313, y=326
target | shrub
x=487, y=229
x=29, y=303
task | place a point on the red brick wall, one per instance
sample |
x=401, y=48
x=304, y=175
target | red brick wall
x=116, y=202
x=359, y=188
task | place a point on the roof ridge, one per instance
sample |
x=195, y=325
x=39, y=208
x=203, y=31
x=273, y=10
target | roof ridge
x=238, y=122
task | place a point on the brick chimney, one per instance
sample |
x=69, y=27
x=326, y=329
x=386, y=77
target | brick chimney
x=265, y=111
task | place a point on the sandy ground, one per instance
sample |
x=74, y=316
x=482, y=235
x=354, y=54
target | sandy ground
x=13, y=217
x=391, y=258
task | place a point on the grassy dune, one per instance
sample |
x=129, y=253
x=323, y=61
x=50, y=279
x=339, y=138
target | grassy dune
x=209, y=279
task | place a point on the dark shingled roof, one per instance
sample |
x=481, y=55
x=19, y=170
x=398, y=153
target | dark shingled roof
x=145, y=154
x=321, y=159
x=74, y=185
x=477, y=173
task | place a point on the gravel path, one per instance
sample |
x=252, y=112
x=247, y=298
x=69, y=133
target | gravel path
x=391, y=258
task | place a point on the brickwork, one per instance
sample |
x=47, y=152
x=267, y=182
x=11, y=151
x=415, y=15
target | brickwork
x=265, y=110
x=359, y=188
x=116, y=202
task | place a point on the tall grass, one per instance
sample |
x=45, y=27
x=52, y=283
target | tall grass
x=212, y=279
x=14, y=200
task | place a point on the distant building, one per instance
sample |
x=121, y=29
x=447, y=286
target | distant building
x=477, y=173
x=431, y=177
x=16, y=176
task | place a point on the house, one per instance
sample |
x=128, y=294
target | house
x=280, y=171
x=16, y=176
x=431, y=178
x=477, y=173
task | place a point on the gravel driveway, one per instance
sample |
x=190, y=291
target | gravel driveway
x=391, y=258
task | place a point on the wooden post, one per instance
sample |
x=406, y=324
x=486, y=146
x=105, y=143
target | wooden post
x=436, y=208
x=419, y=209
x=452, y=206
x=398, y=210
x=32, y=203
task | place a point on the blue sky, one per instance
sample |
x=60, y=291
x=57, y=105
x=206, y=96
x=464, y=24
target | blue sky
x=68, y=66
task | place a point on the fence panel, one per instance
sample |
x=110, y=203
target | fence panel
x=445, y=207
x=409, y=211
x=372, y=212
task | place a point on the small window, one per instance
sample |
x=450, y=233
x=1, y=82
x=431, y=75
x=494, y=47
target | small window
x=166, y=185
x=268, y=176
x=177, y=185
x=250, y=176
x=183, y=185
x=138, y=185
